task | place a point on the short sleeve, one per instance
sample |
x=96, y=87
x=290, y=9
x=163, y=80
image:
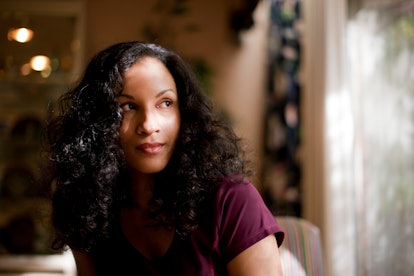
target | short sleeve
x=243, y=219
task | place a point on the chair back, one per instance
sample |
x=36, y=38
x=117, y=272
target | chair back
x=301, y=250
x=38, y=265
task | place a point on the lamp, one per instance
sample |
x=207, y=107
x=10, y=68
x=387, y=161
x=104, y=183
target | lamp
x=39, y=63
x=21, y=35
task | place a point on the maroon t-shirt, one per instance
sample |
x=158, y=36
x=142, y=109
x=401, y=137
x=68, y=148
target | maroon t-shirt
x=238, y=219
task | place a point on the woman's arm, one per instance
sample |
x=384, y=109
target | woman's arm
x=262, y=258
x=84, y=264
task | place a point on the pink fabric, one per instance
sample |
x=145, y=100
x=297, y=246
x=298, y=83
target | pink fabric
x=243, y=219
x=238, y=219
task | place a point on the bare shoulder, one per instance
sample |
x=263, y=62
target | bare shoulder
x=84, y=264
x=262, y=258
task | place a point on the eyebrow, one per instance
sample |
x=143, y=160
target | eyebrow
x=159, y=94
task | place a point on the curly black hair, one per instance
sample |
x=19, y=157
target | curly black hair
x=86, y=163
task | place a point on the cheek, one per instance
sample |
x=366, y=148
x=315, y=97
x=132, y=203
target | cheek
x=124, y=133
x=173, y=126
x=126, y=126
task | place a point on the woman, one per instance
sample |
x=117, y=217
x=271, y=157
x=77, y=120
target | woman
x=147, y=180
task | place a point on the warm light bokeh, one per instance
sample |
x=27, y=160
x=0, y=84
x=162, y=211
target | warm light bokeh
x=21, y=35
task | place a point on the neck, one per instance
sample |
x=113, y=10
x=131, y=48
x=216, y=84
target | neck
x=142, y=189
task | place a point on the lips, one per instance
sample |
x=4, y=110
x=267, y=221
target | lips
x=150, y=148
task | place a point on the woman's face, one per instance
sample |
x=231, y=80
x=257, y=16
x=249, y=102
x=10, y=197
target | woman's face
x=151, y=116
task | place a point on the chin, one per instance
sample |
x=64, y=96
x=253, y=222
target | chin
x=149, y=169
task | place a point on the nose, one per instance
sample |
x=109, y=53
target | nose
x=148, y=123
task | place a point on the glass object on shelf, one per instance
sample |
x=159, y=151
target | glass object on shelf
x=36, y=66
x=50, y=30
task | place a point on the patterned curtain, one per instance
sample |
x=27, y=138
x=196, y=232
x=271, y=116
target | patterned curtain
x=282, y=168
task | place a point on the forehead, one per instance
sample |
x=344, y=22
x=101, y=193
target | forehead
x=146, y=65
x=148, y=73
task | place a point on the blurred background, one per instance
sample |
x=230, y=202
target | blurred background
x=321, y=91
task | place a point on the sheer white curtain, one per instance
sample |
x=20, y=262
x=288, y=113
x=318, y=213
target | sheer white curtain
x=381, y=51
x=329, y=150
x=359, y=134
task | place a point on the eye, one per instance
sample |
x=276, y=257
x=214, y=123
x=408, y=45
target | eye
x=166, y=103
x=128, y=106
